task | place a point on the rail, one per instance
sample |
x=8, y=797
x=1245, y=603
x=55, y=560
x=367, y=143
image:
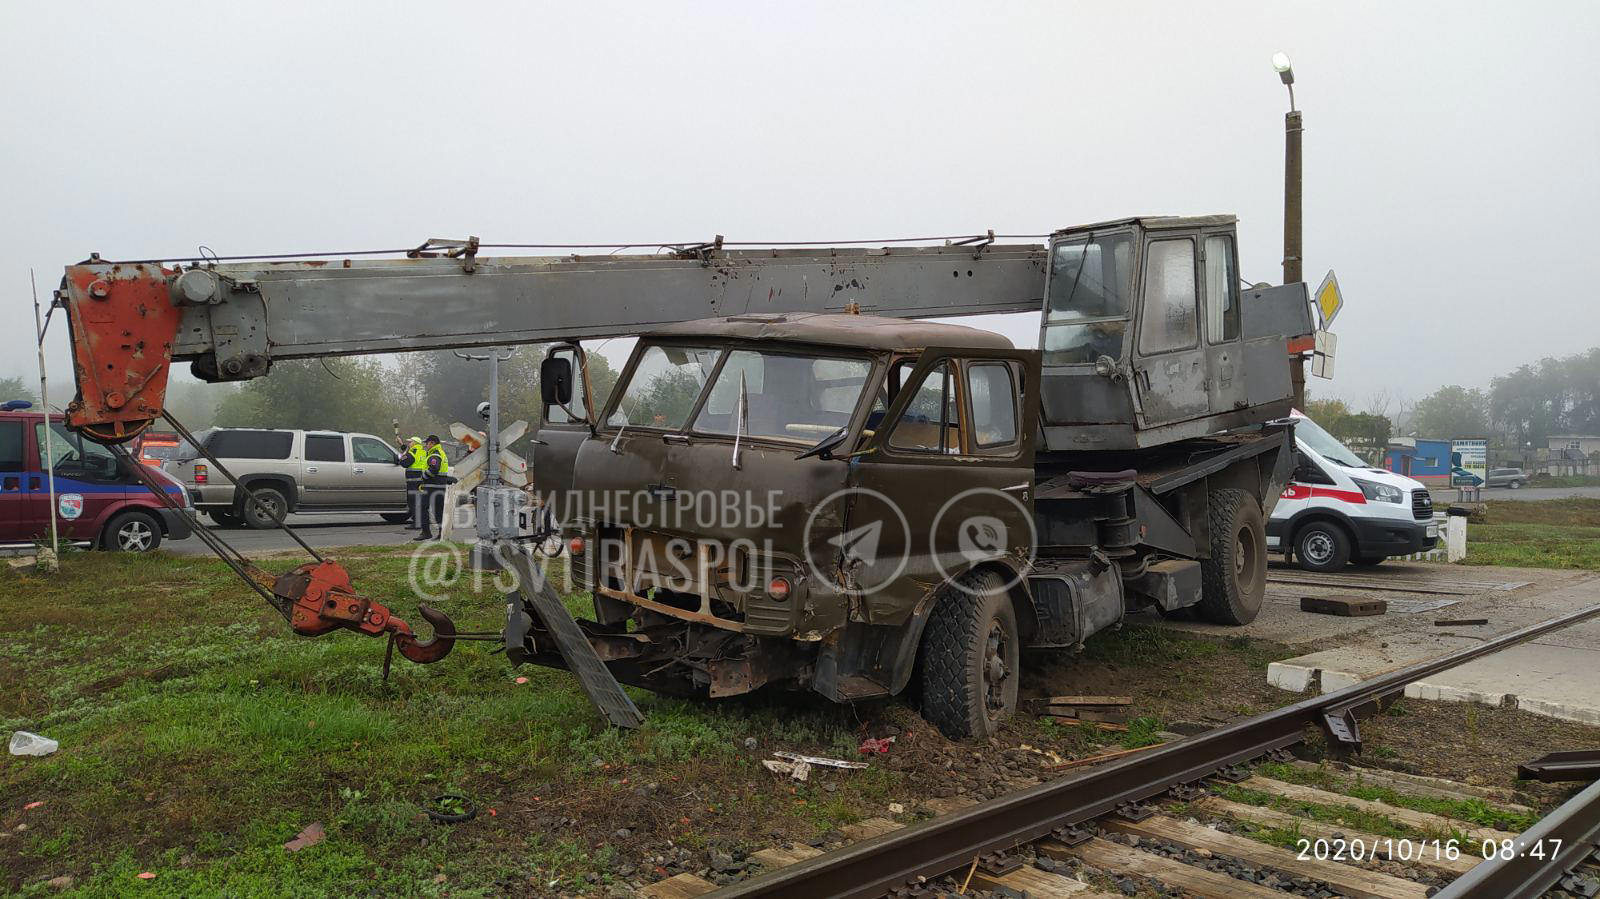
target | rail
x=876, y=866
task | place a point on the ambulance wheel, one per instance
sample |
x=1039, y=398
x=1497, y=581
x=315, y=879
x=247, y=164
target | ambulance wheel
x=1322, y=546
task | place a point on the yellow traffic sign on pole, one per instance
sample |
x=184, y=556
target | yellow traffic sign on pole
x=1328, y=299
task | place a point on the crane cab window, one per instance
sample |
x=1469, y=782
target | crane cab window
x=931, y=422
x=1086, y=312
x=1169, y=320
x=1222, y=291
x=664, y=387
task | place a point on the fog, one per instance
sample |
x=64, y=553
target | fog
x=1450, y=174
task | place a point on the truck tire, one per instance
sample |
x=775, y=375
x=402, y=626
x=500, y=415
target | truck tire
x=970, y=658
x=131, y=532
x=1322, y=546
x=268, y=509
x=226, y=518
x=1234, y=579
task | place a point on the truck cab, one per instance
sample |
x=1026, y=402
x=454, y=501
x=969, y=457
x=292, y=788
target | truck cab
x=99, y=502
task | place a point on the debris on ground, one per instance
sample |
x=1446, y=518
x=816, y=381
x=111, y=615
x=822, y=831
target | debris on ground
x=1099, y=709
x=26, y=743
x=310, y=836
x=1350, y=606
x=1460, y=622
x=1102, y=757
x=819, y=760
x=875, y=747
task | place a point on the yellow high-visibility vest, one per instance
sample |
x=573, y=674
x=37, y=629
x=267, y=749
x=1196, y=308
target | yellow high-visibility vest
x=444, y=459
x=419, y=457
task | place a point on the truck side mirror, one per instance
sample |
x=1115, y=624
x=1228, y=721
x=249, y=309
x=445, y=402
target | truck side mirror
x=555, y=381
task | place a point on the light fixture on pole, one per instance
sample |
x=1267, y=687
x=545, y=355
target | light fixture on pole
x=1292, y=258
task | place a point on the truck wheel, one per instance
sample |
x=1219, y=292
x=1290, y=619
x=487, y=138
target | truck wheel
x=268, y=509
x=970, y=658
x=1234, y=579
x=226, y=518
x=1322, y=546
x=131, y=532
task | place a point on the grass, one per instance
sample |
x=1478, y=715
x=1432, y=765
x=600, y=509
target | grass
x=1564, y=480
x=1563, y=533
x=1475, y=811
x=198, y=735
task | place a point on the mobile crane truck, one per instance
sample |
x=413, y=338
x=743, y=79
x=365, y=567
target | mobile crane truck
x=932, y=500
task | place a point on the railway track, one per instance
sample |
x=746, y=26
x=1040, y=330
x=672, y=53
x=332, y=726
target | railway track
x=1225, y=813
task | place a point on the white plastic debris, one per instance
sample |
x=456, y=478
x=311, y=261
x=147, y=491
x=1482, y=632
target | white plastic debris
x=25, y=743
x=819, y=760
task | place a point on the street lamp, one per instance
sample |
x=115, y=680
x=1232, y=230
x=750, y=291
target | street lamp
x=1291, y=208
x=1291, y=175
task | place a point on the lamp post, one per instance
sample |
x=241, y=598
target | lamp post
x=1292, y=259
x=1291, y=175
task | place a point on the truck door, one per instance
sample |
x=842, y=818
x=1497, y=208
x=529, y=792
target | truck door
x=947, y=481
x=1170, y=366
x=326, y=478
x=13, y=481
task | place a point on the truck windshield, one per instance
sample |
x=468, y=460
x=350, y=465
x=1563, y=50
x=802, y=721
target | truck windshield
x=788, y=397
x=664, y=387
x=1325, y=444
x=1086, y=314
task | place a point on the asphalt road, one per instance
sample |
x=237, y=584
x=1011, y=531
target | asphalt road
x=321, y=531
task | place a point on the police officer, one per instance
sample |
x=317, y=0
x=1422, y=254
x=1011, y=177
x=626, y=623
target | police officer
x=414, y=460
x=435, y=477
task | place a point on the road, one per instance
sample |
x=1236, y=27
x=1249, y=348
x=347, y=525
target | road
x=1525, y=494
x=321, y=531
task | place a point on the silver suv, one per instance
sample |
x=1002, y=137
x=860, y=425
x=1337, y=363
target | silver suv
x=1506, y=477
x=291, y=471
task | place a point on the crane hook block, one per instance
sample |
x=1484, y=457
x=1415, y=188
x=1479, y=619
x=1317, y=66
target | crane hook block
x=317, y=598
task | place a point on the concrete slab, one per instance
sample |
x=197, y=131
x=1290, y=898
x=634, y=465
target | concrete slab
x=1554, y=675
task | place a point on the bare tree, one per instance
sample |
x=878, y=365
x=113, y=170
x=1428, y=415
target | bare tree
x=1379, y=401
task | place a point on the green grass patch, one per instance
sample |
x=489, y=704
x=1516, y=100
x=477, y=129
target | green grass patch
x=1475, y=811
x=198, y=735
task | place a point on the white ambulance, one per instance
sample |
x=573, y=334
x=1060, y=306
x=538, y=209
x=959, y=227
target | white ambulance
x=1338, y=509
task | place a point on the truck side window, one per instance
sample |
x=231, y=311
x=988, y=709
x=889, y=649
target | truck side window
x=993, y=403
x=324, y=448
x=10, y=446
x=930, y=422
x=1222, y=290
x=1168, y=322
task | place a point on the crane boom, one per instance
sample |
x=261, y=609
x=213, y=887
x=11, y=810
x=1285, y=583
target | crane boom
x=130, y=321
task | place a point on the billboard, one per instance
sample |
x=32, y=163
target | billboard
x=1470, y=462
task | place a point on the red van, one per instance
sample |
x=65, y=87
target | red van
x=98, y=501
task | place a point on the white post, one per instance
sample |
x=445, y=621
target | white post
x=44, y=401
x=1455, y=538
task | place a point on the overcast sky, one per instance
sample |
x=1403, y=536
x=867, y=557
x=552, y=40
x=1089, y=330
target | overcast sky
x=1451, y=174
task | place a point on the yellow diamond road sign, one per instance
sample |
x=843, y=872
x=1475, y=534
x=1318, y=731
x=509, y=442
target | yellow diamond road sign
x=1328, y=300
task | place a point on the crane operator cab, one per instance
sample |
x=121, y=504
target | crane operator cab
x=1149, y=336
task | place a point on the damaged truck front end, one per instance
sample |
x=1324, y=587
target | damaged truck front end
x=740, y=517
